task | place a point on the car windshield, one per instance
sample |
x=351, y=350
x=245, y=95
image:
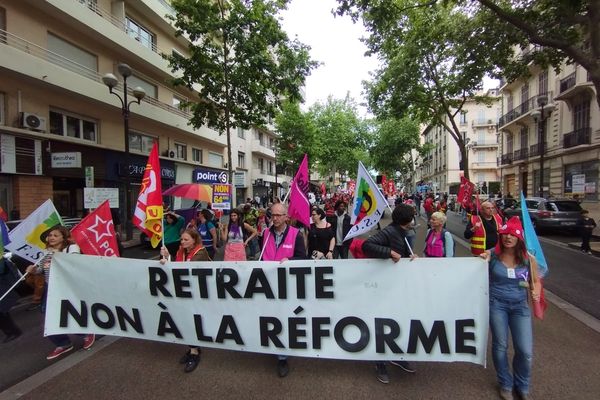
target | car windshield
x=565, y=206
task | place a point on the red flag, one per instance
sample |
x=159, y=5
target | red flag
x=351, y=186
x=384, y=182
x=465, y=192
x=95, y=234
x=323, y=189
x=148, y=213
x=3, y=215
x=391, y=188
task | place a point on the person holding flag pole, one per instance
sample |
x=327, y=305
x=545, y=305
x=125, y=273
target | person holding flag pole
x=390, y=242
x=58, y=239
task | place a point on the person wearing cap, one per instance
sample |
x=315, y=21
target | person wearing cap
x=482, y=229
x=513, y=276
x=57, y=239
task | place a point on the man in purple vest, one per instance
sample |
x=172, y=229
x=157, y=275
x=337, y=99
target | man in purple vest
x=282, y=243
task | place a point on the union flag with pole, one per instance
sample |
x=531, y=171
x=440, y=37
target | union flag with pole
x=148, y=214
x=95, y=234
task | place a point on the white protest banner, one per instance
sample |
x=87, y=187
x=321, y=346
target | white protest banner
x=422, y=310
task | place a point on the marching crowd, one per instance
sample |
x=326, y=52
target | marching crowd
x=268, y=234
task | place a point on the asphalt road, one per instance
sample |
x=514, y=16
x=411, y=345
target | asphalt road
x=573, y=276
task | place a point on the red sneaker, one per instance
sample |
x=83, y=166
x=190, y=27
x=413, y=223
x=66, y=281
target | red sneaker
x=88, y=341
x=59, y=351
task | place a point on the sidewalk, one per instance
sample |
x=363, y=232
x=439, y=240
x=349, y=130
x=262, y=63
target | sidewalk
x=566, y=366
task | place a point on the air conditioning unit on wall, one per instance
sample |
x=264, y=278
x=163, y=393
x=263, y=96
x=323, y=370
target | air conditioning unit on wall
x=32, y=121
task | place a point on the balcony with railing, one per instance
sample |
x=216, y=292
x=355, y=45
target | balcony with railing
x=484, y=143
x=506, y=159
x=535, y=149
x=72, y=66
x=483, y=122
x=578, y=137
x=568, y=82
x=520, y=154
x=524, y=108
x=484, y=165
x=262, y=148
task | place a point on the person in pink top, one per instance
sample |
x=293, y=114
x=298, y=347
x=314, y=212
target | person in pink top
x=282, y=243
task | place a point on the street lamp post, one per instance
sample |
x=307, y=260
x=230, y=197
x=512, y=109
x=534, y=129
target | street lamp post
x=540, y=118
x=111, y=81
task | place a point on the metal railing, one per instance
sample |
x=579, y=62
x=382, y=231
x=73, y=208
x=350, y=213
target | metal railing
x=535, y=149
x=70, y=65
x=578, y=137
x=568, y=82
x=524, y=107
x=520, y=154
x=120, y=24
x=506, y=159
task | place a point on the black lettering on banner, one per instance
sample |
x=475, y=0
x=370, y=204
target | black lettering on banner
x=227, y=285
x=300, y=273
x=180, y=283
x=296, y=333
x=202, y=274
x=417, y=332
x=157, y=279
x=317, y=332
x=258, y=283
x=363, y=341
x=166, y=325
x=200, y=330
x=228, y=325
x=270, y=328
x=281, y=283
x=368, y=222
x=135, y=322
x=96, y=310
x=66, y=309
x=321, y=283
x=382, y=338
x=462, y=336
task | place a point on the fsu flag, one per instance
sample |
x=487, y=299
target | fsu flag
x=95, y=234
x=465, y=192
x=299, y=208
x=148, y=213
x=368, y=206
x=323, y=189
x=384, y=183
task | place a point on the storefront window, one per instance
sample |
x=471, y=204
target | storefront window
x=582, y=179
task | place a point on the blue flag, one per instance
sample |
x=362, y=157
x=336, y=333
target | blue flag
x=531, y=240
x=4, y=240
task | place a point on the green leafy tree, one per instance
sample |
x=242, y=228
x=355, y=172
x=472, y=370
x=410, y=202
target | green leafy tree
x=297, y=135
x=343, y=138
x=241, y=62
x=434, y=57
x=563, y=30
x=393, y=142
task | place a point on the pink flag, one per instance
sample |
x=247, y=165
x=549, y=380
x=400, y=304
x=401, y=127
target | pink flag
x=299, y=208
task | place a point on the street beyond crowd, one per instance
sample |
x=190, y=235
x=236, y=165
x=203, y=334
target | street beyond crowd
x=566, y=366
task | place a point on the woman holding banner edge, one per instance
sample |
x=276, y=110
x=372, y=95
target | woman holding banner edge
x=513, y=276
x=57, y=239
x=191, y=249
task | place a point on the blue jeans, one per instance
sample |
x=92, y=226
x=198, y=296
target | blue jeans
x=517, y=317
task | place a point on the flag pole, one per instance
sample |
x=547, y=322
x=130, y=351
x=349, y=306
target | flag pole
x=13, y=286
x=409, y=248
x=21, y=278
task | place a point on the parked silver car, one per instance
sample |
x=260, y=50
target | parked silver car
x=549, y=213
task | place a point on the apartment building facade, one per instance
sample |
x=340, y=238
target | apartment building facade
x=59, y=124
x=442, y=167
x=550, y=131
